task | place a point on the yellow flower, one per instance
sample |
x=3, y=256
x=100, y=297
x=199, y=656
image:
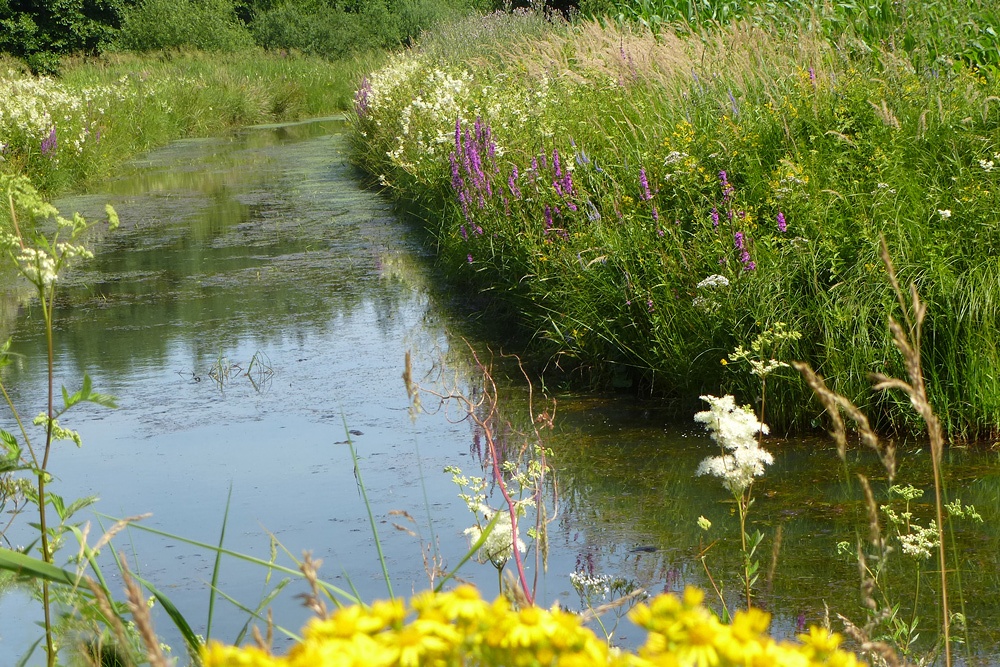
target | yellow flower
x=218, y=655
x=419, y=643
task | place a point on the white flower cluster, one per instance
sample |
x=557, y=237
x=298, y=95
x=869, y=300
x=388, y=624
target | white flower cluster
x=736, y=429
x=498, y=547
x=708, y=304
x=38, y=266
x=383, y=83
x=33, y=106
x=714, y=280
x=919, y=541
x=591, y=585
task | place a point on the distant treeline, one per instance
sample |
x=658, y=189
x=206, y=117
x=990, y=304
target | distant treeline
x=40, y=32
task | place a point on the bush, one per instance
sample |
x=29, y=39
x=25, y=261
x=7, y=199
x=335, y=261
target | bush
x=209, y=25
x=334, y=29
x=39, y=32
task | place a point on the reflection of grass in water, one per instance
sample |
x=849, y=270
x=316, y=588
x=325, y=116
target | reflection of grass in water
x=258, y=371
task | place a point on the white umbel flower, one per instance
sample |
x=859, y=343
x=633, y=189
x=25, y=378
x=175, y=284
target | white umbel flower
x=498, y=547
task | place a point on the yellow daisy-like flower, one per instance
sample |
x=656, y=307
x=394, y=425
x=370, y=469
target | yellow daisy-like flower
x=820, y=641
x=219, y=655
x=420, y=643
x=462, y=604
x=357, y=651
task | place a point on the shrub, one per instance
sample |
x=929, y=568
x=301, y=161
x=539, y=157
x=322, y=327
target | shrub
x=39, y=32
x=209, y=25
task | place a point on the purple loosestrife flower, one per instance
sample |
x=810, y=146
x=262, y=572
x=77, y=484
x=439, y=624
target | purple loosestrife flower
x=362, y=97
x=555, y=163
x=782, y=226
x=512, y=184
x=567, y=183
x=49, y=143
x=715, y=218
x=656, y=214
x=738, y=241
x=456, y=177
x=548, y=219
x=812, y=75
x=644, y=182
x=469, y=258
x=465, y=234
x=727, y=189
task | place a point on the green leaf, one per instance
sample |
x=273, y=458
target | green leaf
x=87, y=394
x=28, y=566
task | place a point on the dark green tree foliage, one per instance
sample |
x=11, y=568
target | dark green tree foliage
x=209, y=25
x=334, y=28
x=41, y=30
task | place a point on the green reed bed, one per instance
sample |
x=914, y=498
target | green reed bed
x=82, y=125
x=593, y=180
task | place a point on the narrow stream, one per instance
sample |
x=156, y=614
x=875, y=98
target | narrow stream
x=257, y=304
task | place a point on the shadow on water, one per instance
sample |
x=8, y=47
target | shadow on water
x=263, y=248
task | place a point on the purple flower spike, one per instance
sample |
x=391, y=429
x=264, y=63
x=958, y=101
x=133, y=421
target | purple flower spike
x=782, y=227
x=49, y=143
x=738, y=241
x=715, y=218
x=646, y=194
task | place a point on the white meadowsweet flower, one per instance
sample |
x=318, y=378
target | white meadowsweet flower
x=735, y=429
x=38, y=266
x=944, y=213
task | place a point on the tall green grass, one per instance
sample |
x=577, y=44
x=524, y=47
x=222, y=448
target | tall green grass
x=76, y=129
x=847, y=139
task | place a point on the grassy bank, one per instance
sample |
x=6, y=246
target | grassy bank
x=70, y=131
x=591, y=181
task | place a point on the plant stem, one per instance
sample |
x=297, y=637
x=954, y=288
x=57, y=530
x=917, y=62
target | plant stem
x=47, y=308
x=743, y=541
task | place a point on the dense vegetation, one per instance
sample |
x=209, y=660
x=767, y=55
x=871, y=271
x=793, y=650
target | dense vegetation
x=643, y=203
x=41, y=32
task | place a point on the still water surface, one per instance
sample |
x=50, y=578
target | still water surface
x=261, y=252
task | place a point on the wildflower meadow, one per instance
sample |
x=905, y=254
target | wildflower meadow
x=640, y=204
